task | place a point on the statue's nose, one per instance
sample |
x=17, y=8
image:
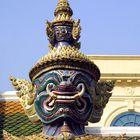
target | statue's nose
x=66, y=83
x=66, y=86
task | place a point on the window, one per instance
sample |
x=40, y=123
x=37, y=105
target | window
x=127, y=119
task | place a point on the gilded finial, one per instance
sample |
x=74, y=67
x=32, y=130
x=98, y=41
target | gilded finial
x=63, y=12
x=63, y=28
x=63, y=5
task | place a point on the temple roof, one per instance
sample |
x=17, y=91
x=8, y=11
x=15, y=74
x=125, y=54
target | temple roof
x=14, y=121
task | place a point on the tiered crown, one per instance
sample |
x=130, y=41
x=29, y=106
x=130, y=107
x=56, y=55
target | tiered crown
x=63, y=34
x=63, y=28
x=63, y=13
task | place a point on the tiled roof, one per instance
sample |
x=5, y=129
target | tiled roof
x=10, y=108
x=18, y=127
x=14, y=121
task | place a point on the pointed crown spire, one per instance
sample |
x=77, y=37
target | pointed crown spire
x=63, y=12
x=63, y=28
x=63, y=35
x=63, y=6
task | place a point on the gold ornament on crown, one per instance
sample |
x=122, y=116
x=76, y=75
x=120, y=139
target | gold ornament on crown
x=63, y=16
x=63, y=12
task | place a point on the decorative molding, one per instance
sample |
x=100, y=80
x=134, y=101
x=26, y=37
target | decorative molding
x=129, y=91
x=8, y=96
x=114, y=131
x=114, y=57
x=121, y=76
x=131, y=105
x=124, y=98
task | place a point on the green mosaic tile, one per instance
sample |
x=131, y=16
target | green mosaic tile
x=18, y=124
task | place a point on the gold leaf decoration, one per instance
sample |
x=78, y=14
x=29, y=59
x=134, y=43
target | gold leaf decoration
x=76, y=30
x=26, y=94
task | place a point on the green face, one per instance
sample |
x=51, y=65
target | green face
x=64, y=95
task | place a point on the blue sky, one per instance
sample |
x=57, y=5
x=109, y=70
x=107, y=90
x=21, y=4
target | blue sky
x=109, y=27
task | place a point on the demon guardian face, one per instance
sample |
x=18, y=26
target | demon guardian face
x=64, y=95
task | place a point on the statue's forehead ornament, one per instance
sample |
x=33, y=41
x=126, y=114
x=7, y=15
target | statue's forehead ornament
x=64, y=92
x=67, y=72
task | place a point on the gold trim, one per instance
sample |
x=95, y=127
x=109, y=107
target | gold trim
x=63, y=12
x=114, y=57
x=57, y=67
x=64, y=57
x=26, y=94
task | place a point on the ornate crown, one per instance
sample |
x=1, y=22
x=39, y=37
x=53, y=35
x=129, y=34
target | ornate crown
x=63, y=13
x=63, y=25
x=63, y=33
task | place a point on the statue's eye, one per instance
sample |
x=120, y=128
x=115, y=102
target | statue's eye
x=64, y=31
x=50, y=87
x=57, y=33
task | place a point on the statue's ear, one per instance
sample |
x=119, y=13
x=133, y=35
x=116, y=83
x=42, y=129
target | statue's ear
x=50, y=33
x=96, y=115
x=26, y=93
x=76, y=30
x=103, y=93
x=23, y=87
x=104, y=87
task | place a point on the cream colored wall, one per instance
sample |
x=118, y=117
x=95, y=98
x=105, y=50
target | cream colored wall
x=117, y=64
x=126, y=94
